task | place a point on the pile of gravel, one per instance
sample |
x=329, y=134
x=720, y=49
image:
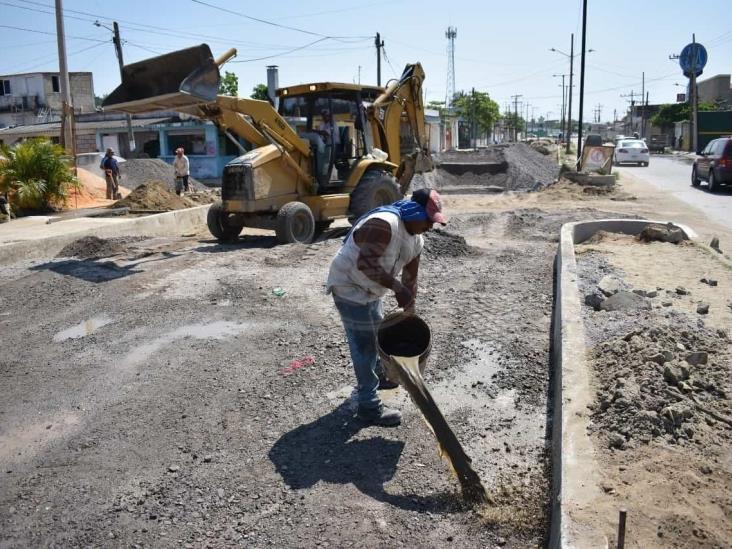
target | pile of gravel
x=441, y=243
x=92, y=247
x=649, y=380
x=528, y=169
x=138, y=171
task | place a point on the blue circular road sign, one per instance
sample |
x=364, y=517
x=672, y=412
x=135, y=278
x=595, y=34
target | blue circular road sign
x=693, y=57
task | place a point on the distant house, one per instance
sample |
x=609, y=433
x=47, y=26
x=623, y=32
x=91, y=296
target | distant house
x=34, y=97
x=716, y=89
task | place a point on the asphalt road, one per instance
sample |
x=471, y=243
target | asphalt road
x=674, y=176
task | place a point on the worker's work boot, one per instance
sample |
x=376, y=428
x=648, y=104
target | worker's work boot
x=381, y=415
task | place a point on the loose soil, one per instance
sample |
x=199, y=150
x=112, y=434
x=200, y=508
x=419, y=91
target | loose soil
x=200, y=408
x=662, y=419
x=155, y=196
x=89, y=247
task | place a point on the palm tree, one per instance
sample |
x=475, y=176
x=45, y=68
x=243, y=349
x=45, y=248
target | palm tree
x=36, y=175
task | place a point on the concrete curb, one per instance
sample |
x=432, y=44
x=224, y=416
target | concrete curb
x=165, y=224
x=575, y=482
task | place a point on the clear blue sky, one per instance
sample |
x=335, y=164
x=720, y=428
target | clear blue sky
x=501, y=47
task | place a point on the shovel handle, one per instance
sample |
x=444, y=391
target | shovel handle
x=228, y=54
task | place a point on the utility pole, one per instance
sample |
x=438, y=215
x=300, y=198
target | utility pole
x=569, y=93
x=629, y=125
x=359, y=74
x=379, y=43
x=564, y=103
x=643, y=112
x=67, y=115
x=515, y=116
x=472, y=119
x=694, y=99
x=118, y=49
x=582, y=79
x=645, y=116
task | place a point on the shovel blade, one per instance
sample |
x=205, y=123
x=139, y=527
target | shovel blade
x=172, y=81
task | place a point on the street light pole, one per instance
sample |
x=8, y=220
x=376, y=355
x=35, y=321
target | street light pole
x=582, y=79
x=569, y=94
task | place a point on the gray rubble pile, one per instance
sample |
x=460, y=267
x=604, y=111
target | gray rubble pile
x=138, y=171
x=655, y=383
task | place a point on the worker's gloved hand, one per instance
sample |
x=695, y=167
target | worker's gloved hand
x=404, y=296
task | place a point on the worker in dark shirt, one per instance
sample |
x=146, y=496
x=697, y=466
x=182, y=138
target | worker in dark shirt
x=111, y=174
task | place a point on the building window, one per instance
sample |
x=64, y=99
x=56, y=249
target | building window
x=55, y=85
x=5, y=87
x=193, y=142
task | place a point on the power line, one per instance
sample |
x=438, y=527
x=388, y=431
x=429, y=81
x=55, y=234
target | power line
x=282, y=53
x=266, y=22
x=133, y=26
x=48, y=59
x=53, y=34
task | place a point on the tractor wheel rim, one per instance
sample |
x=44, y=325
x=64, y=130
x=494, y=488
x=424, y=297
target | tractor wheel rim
x=300, y=227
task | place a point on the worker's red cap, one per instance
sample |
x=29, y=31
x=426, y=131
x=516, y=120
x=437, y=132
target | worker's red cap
x=430, y=200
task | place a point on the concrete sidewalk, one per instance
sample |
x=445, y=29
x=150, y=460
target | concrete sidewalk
x=33, y=237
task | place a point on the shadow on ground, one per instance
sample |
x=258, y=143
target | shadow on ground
x=213, y=246
x=323, y=451
x=90, y=270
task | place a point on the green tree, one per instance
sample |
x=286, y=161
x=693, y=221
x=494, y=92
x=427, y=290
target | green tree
x=260, y=92
x=99, y=98
x=676, y=112
x=36, y=175
x=477, y=107
x=229, y=84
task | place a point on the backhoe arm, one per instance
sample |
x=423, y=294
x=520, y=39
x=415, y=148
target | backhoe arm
x=403, y=95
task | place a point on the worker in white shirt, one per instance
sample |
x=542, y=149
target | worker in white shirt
x=182, y=171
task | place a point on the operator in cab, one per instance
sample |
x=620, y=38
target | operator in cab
x=380, y=254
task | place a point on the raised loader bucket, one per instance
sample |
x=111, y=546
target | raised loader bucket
x=172, y=81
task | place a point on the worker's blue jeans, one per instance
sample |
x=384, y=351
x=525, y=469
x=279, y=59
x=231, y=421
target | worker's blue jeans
x=361, y=322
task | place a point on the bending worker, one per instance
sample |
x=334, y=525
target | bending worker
x=383, y=244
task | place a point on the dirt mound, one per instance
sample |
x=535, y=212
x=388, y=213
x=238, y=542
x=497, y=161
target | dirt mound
x=138, y=171
x=154, y=196
x=513, y=167
x=91, y=247
x=441, y=243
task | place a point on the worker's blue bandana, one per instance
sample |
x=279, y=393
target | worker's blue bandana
x=407, y=210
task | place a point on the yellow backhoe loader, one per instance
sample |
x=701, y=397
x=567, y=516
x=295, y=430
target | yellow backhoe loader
x=332, y=151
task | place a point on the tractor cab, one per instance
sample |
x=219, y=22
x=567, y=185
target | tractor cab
x=332, y=118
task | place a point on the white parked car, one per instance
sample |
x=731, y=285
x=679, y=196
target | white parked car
x=631, y=151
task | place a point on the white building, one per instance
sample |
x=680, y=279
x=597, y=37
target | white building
x=36, y=97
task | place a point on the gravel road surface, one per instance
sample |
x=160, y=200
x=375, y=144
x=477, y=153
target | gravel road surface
x=166, y=396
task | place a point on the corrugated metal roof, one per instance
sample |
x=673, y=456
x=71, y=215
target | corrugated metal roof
x=54, y=127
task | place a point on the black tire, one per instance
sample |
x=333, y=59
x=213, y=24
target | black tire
x=295, y=223
x=375, y=189
x=219, y=225
x=695, y=181
x=713, y=184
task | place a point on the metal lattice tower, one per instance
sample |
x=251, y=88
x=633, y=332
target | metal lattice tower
x=450, y=34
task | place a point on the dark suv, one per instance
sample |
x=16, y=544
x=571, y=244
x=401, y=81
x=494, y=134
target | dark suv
x=714, y=164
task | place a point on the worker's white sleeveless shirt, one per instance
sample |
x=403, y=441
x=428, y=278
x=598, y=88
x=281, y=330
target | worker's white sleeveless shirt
x=347, y=282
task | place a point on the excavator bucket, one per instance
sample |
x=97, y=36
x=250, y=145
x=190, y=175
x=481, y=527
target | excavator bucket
x=173, y=81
